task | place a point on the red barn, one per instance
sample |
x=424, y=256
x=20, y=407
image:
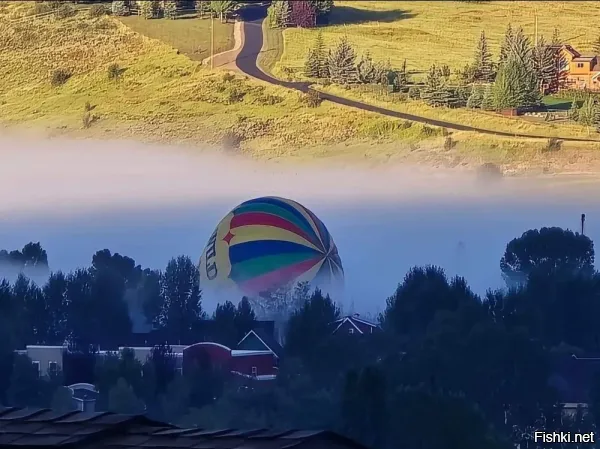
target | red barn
x=261, y=365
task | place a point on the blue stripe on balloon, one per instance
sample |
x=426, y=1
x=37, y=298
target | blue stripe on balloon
x=259, y=248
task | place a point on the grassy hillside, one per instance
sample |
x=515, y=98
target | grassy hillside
x=167, y=97
x=161, y=95
x=441, y=32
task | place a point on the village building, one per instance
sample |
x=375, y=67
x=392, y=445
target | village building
x=581, y=70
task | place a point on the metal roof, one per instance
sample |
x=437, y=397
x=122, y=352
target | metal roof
x=43, y=428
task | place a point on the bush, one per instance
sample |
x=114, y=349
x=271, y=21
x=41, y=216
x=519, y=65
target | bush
x=414, y=93
x=60, y=77
x=449, y=143
x=64, y=11
x=88, y=106
x=268, y=100
x=312, y=99
x=235, y=95
x=98, y=11
x=231, y=140
x=42, y=8
x=87, y=119
x=552, y=145
x=227, y=77
x=489, y=171
x=114, y=72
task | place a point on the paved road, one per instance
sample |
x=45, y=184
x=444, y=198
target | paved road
x=247, y=63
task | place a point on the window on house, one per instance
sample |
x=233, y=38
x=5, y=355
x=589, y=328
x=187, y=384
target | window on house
x=350, y=331
x=52, y=368
x=579, y=65
x=254, y=371
x=36, y=364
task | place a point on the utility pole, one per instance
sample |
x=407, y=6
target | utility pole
x=212, y=40
x=582, y=223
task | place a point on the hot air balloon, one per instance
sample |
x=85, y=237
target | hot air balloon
x=267, y=243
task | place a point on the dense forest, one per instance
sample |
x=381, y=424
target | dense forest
x=449, y=369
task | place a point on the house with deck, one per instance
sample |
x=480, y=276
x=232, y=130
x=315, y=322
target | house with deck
x=580, y=70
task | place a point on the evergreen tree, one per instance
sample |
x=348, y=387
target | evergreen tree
x=544, y=63
x=321, y=56
x=516, y=86
x=342, y=67
x=475, y=100
x=482, y=64
x=506, y=44
x=367, y=72
x=323, y=7
x=119, y=8
x=149, y=9
x=285, y=13
x=311, y=65
x=202, y=7
x=574, y=111
x=588, y=112
x=170, y=9
x=487, y=102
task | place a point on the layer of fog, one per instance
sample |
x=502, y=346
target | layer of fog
x=152, y=203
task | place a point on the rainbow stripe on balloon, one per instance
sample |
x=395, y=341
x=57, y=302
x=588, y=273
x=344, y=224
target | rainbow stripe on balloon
x=276, y=241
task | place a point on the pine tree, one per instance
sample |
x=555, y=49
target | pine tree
x=323, y=9
x=487, y=102
x=574, y=111
x=149, y=9
x=170, y=9
x=506, y=44
x=285, y=13
x=120, y=8
x=342, y=66
x=311, y=65
x=321, y=56
x=516, y=86
x=483, y=67
x=544, y=63
x=202, y=7
x=588, y=113
x=366, y=69
x=476, y=98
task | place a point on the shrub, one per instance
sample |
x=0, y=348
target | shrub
x=42, y=8
x=114, y=72
x=227, y=77
x=231, y=140
x=98, y=10
x=414, y=93
x=88, y=106
x=489, y=170
x=449, y=143
x=268, y=100
x=235, y=95
x=87, y=119
x=64, y=11
x=428, y=131
x=552, y=145
x=60, y=77
x=312, y=99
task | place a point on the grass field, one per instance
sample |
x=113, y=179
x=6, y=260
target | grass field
x=441, y=32
x=166, y=97
x=190, y=35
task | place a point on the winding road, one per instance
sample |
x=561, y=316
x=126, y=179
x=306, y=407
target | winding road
x=246, y=62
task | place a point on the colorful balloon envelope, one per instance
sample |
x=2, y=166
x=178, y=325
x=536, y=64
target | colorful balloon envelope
x=267, y=243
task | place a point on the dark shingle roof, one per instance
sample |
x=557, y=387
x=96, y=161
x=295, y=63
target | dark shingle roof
x=37, y=428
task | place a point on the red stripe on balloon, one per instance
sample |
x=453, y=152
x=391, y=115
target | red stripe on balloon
x=262, y=219
x=282, y=276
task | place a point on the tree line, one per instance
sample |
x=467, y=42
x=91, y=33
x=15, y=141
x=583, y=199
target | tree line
x=517, y=79
x=449, y=368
